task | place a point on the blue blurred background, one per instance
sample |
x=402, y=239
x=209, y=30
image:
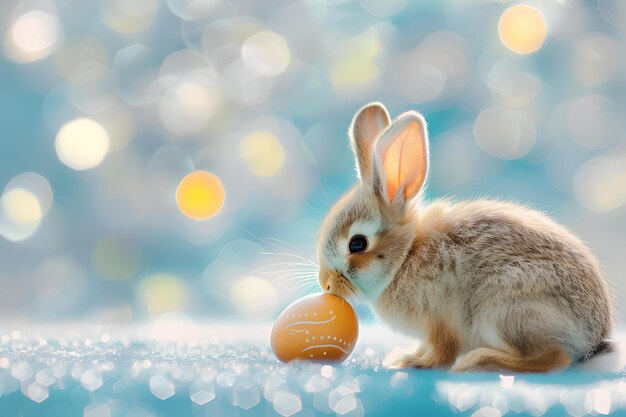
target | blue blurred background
x=106, y=107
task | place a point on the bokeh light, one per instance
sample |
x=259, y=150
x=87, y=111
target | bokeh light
x=136, y=69
x=188, y=107
x=36, y=184
x=600, y=184
x=26, y=199
x=267, y=53
x=22, y=206
x=512, y=84
x=383, y=8
x=436, y=70
x=192, y=9
x=593, y=121
x=522, y=29
x=355, y=65
x=243, y=86
x=200, y=195
x=263, y=153
x=129, y=17
x=614, y=12
x=82, y=144
x=77, y=51
x=596, y=58
x=32, y=36
x=598, y=400
x=20, y=214
x=470, y=162
x=254, y=298
x=504, y=133
x=162, y=293
x=93, y=88
x=120, y=123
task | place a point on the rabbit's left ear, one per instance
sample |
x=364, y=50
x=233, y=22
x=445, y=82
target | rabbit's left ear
x=401, y=159
x=367, y=124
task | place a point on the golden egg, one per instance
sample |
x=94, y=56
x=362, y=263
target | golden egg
x=320, y=327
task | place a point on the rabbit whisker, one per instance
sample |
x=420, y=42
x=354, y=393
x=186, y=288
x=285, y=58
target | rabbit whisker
x=302, y=278
x=304, y=203
x=287, y=254
x=288, y=271
x=281, y=245
x=279, y=264
x=323, y=190
x=281, y=271
x=285, y=245
x=302, y=284
x=299, y=290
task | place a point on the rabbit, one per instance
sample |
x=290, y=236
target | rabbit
x=486, y=285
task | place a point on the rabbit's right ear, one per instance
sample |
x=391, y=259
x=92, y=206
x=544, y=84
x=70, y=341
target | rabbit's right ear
x=401, y=160
x=367, y=124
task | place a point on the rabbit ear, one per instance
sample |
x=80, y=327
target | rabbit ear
x=401, y=158
x=367, y=124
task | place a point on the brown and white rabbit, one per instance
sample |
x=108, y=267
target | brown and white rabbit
x=487, y=285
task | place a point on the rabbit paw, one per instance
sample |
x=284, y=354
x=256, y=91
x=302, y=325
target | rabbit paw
x=407, y=361
x=400, y=360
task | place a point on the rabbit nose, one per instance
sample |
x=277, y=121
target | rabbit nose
x=324, y=280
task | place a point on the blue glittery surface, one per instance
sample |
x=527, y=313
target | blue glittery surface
x=188, y=369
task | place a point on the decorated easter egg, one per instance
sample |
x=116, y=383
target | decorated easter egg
x=321, y=327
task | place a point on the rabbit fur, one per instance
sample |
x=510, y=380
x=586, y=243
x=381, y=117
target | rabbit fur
x=486, y=285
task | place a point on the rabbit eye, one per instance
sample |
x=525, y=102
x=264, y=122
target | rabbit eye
x=358, y=243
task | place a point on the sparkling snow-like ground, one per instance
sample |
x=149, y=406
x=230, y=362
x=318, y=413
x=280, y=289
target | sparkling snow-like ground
x=178, y=368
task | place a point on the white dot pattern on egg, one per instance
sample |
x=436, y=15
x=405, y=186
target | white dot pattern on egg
x=317, y=327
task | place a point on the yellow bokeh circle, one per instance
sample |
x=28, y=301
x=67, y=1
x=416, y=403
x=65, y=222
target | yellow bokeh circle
x=522, y=29
x=263, y=153
x=163, y=293
x=200, y=195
